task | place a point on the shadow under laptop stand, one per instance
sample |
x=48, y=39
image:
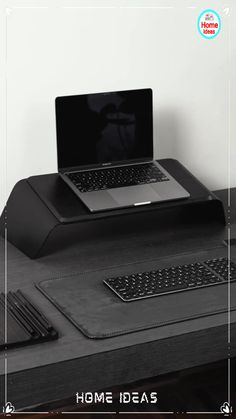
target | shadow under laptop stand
x=42, y=213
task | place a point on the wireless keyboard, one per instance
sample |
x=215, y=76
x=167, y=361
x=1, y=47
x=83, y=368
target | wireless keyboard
x=173, y=279
x=117, y=177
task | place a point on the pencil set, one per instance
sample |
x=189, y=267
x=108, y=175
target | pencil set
x=21, y=322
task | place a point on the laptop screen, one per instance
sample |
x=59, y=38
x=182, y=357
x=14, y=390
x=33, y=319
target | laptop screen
x=104, y=127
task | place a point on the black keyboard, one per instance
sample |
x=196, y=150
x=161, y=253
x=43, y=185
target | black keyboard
x=173, y=279
x=116, y=177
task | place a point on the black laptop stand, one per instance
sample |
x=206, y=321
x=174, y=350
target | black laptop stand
x=43, y=213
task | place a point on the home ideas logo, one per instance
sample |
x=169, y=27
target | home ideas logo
x=209, y=24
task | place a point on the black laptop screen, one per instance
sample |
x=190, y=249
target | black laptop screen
x=104, y=127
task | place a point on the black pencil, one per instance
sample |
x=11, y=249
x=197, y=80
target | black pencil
x=31, y=317
x=16, y=316
x=35, y=310
x=22, y=314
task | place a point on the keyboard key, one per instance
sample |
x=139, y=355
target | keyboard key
x=223, y=267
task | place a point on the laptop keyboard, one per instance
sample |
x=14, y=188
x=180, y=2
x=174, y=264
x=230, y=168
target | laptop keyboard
x=173, y=279
x=117, y=177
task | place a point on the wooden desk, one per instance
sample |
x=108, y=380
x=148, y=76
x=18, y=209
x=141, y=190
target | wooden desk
x=54, y=371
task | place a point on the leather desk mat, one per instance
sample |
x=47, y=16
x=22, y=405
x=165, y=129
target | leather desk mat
x=99, y=313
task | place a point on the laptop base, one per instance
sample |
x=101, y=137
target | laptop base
x=114, y=197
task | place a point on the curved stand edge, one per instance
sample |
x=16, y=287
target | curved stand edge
x=26, y=220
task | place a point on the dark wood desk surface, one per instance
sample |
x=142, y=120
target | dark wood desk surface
x=52, y=371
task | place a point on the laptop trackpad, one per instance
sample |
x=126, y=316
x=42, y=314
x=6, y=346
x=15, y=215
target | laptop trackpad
x=134, y=195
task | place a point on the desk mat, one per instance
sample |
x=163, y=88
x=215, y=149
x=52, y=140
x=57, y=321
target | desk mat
x=98, y=313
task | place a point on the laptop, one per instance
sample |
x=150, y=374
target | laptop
x=105, y=150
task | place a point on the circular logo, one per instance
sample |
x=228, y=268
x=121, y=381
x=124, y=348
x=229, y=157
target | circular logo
x=209, y=24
